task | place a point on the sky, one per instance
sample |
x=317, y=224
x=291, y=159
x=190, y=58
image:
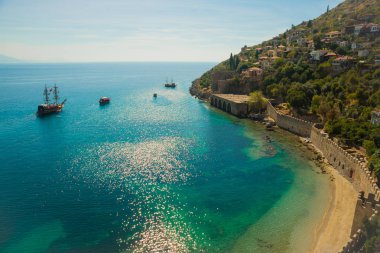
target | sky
x=144, y=30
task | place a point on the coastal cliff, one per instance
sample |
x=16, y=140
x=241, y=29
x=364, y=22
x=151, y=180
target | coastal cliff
x=197, y=91
x=327, y=68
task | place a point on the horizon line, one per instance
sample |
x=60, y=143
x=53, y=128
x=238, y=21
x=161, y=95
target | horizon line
x=84, y=62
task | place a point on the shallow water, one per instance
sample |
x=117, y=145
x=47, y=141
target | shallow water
x=144, y=174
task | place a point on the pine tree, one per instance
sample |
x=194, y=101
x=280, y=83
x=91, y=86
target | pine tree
x=328, y=9
x=231, y=61
x=310, y=24
x=236, y=62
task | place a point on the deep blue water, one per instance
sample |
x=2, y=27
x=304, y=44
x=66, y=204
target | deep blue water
x=136, y=175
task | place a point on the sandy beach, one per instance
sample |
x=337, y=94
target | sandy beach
x=335, y=228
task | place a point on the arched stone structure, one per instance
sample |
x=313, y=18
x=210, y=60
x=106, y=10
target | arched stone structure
x=231, y=103
x=229, y=108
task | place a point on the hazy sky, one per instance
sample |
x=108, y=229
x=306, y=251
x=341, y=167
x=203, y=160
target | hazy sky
x=144, y=30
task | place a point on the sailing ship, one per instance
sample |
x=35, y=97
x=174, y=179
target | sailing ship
x=47, y=107
x=170, y=84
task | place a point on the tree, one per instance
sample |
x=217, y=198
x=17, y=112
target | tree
x=309, y=24
x=315, y=103
x=328, y=9
x=257, y=102
x=257, y=54
x=317, y=42
x=297, y=98
x=231, y=61
x=236, y=62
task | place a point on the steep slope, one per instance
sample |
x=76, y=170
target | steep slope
x=327, y=68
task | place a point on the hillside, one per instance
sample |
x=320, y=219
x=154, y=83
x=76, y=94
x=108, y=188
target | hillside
x=326, y=70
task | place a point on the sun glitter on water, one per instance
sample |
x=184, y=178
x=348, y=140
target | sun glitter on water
x=143, y=173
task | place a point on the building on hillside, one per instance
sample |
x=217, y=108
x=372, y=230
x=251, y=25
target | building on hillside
x=363, y=29
x=354, y=29
x=363, y=53
x=375, y=117
x=281, y=47
x=333, y=35
x=254, y=72
x=342, y=63
x=259, y=50
x=344, y=43
x=375, y=28
x=271, y=53
x=322, y=55
x=370, y=28
x=330, y=55
x=358, y=28
x=354, y=46
x=318, y=55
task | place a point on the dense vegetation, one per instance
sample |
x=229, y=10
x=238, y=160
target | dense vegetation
x=342, y=100
x=372, y=233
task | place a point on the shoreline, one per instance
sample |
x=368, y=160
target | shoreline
x=334, y=230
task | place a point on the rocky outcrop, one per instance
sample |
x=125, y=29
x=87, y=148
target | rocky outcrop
x=197, y=91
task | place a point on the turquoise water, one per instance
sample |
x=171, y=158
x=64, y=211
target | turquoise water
x=144, y=174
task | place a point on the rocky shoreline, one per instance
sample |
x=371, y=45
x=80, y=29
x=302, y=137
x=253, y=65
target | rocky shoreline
x=197, y=91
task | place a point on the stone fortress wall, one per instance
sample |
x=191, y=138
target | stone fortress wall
x=368, y=204
x=346, y=164
x=294, y=125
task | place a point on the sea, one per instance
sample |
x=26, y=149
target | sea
x=145, y=174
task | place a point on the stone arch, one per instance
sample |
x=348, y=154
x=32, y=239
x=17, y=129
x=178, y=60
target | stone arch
x=224, y=105
x=220, y=104
x=229, y=108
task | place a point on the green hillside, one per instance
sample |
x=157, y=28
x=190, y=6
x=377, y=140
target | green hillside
x=326, y=70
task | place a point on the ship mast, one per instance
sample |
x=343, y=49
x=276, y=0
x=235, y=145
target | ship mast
x=55, y=92
x=46, y=95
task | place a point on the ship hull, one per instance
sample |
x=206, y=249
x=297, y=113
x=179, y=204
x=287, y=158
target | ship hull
x=44, y=110
x=104, y=101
